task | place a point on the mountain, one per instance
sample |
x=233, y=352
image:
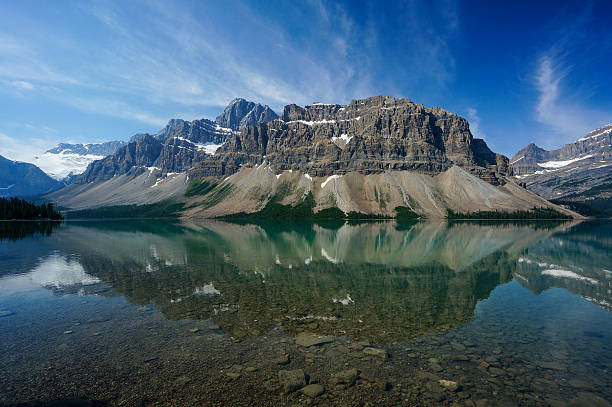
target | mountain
x=175, y=148
x=370, y=156
x=367, y=136
x=241, y=113
x=178, y=146
x=578, y=174
x=23, y=179
x=67, y=159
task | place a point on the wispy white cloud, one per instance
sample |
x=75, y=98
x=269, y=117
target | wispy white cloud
x=20, y=149
x=565, y=113
x=155, y=56
x=22, y=85
x=474, y=121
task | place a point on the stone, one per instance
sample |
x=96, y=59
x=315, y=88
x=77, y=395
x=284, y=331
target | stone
x=282, y=359
x=150, y=359
x=449, y=385
x=555, y=403
x=291, y=380
x=437, y=396
x=312, y=390
x=427, y=376
x=250, y=369
x=496, y=371
x=435, y=367
x=382, y=384
x=181, y=381
x=347, y=377
x=234, y=372
x=550, y=365
x=580, y=384
x=307, y=339
x=585, y=399
x=376, y=352
x=458, y=346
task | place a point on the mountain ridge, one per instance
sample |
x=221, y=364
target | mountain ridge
x=369, y=156
x=578, y=173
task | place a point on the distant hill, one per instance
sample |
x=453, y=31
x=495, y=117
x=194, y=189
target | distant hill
x=24, y=179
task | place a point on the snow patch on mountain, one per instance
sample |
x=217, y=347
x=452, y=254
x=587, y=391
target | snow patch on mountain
x=559, y=164
x=59, y=166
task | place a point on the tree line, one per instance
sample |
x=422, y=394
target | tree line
x=15, y=208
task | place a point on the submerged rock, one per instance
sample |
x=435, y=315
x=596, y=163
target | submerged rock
x=291, y=380
x=347, y=377
x=313, y=390
x=377, y=352
x=450, y=385
x=306, y=339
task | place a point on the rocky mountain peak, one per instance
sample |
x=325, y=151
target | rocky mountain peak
x=241, y=113
x=580, y=171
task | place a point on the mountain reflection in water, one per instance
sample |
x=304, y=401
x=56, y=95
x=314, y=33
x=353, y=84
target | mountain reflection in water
x=377, y=281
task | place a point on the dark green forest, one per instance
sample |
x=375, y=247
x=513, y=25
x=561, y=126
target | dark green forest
x=15, y=208
x=535, y=213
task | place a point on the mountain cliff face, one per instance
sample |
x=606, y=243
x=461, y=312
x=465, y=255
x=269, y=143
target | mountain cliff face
x=141, y=153
x=178, y=146
x=579, y=172
x=23, y=179
x=367, y=136
x=241, y=113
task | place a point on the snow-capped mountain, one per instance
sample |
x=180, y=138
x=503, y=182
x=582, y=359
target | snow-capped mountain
x=71, y=159
x=578, y=172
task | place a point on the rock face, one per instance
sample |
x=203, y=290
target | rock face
x=179, y=145
x=241, y=113
x=366, y=136
x=196, y=131
x=23, y=179
x=579, y=172
x=142, y=153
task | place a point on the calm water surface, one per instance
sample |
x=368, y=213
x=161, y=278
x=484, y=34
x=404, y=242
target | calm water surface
x=151, y=313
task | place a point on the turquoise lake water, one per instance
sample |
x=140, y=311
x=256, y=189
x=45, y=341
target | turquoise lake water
x=429, y=313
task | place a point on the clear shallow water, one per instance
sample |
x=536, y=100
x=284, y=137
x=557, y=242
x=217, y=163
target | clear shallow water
x=150, y=313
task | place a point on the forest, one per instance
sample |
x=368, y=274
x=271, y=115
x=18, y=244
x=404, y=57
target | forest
x=18, y=209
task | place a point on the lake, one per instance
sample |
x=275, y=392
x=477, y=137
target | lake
x=135, y=313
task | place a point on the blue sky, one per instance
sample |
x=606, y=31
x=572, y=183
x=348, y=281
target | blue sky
x=88, y=71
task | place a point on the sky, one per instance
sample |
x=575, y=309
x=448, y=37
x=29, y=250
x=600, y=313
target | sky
x=92, y=71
